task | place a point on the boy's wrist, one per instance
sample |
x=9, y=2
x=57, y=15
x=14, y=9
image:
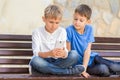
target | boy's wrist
x=66, y=54
x=84, y=68
x=49, y=54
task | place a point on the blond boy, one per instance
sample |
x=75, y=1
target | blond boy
x=47, y=58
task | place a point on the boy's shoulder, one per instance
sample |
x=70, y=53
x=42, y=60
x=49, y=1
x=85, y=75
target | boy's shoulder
x=70, y=27
x=88, y=26
x=61, y=30
x=38, y=29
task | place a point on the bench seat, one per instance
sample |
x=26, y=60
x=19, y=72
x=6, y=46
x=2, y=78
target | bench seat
x=52, y=77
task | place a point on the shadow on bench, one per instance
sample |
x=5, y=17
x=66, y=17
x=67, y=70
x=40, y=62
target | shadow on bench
x=16, y=52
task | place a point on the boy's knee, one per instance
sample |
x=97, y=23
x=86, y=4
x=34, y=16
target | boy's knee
x=73, y=55
x=37, y=61
x=34, y=60
x=115, y=67
x=38, y=64
x=104, y=70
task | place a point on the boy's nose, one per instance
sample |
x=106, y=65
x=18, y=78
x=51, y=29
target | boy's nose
x=78, y=21
x=54, y=25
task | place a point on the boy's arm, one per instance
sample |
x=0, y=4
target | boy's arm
x=43, y=54
x=46, y=54
x=87, y=55
x=68, y=46
x=55, y=53
x=86, y=59
x=36, y=44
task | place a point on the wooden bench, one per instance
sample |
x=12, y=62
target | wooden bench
x=16, y=52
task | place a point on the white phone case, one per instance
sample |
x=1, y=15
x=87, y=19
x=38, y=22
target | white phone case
x=59, y=44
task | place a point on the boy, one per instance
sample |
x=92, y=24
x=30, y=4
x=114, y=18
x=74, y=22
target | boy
x=47, y=58
x=80, y=38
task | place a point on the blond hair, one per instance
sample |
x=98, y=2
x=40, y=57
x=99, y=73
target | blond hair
x=53, y=11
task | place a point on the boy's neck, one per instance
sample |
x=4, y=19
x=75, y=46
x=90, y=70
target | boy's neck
x=81, y=31
x=48, y=31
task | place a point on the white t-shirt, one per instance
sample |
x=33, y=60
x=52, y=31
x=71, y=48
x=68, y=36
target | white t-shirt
x=43, y=41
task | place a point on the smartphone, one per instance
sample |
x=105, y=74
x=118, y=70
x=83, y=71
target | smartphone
x=59, y=44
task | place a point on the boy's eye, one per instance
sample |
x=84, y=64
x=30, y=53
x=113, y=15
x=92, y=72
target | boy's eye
x=57, y=22
x=81, y=20
x=51, y=22
x=75, y=19
x=54, y=22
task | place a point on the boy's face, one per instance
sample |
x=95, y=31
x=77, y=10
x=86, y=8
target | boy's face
x=79, y=21
x=51, y=24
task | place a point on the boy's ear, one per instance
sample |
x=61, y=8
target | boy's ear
x=89, y=21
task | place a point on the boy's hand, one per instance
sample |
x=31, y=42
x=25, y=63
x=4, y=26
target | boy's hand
x=58, y=53
x=85, y=74
x=53, y=53
x=62, y=53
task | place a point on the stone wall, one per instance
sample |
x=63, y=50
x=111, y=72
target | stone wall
x=105, y=17
x=23, y=16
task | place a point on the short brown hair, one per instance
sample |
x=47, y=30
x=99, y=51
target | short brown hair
x=53, y=11
x=84, y=10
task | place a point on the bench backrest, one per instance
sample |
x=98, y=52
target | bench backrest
x=16, y=52
x=107, y=47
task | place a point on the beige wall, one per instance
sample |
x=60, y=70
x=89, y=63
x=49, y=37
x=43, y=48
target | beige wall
x=23, y=16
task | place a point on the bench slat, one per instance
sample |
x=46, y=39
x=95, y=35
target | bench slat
x=14, y=61
x=109, y=54
x=6, y=37
x=107, y=40
x=53, y=77
x=105, y=47
x=15, y=53
x=15, y=45
x=14, y=70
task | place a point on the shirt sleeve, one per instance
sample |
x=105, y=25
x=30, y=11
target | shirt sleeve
x=90, y=35
x=64, y=36
x=35, y=42
x=68, y=35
